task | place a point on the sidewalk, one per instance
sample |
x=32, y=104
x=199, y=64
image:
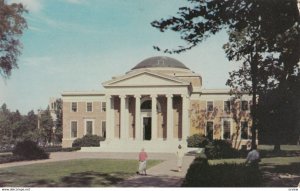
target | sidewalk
x=162, y=175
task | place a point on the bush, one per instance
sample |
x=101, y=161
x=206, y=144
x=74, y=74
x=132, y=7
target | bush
x=201, y=174
x=197, y=140
x=218, y=149
x=29, y=151
x=60, y=149
x=88, y=141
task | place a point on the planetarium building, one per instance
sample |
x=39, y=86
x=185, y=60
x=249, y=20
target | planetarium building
x=156, y=105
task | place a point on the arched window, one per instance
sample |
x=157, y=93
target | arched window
x=146, y=104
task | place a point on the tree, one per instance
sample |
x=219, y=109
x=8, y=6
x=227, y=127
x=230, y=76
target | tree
x=263, y=35
x=279, y=113
x=46, y=126
x=4, y=125
x=11, y=28
x=58, y=121
x=29, y=124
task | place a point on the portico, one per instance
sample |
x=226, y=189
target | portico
x=130, y=114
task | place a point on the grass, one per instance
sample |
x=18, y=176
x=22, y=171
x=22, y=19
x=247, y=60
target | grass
x=72, y=173
x=276, y=171
x=282, y=147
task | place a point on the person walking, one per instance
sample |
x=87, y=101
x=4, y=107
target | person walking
x=142, y=162
x=179, y=155
x=253, y=157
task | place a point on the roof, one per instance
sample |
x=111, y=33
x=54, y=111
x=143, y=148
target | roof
x=160, y=61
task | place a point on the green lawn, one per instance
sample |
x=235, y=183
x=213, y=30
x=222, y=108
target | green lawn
x=276, y=171
x=282, y=147
x=72, y=173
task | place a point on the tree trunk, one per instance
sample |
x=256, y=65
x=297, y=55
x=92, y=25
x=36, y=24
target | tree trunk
x=254, y=63
x=277, y=147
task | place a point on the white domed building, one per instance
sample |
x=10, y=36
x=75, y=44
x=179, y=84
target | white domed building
x=156, y=105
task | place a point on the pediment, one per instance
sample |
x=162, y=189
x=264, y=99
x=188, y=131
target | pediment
x=144, y=79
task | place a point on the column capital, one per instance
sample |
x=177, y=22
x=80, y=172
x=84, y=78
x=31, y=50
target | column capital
x=122, y=96
x=137, y=96
x=153, y=95
x=169, y=95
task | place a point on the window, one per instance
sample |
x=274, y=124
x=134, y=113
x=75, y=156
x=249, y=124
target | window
x=227, y=106
x=210, y=106
x=210, y=130
x=73, y=129
x=103, y=107
x=244, y=130
x=89, y=106
x=245, y=105
x=74, y=107
x=146, y=104
x=103, y=129
x=89, y=127
x=226, y=129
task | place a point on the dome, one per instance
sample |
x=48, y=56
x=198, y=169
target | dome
x=160, y=61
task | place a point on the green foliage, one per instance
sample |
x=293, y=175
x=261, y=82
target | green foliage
x=218, y=149
x=46, y=127
x=10, y=158
x=88, y=141
x=197, y=140
x=60, y=149
x=15, y=127
x=12, y=26
x=201, y=174
x=29, y=150
x=58, y=123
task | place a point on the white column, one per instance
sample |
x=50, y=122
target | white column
x=153, y=118
x=185, y=121
x=122, y=116
x=126, y=118
x=110, y=117
x=170, y=134
x=109, y=127
x=137, y=123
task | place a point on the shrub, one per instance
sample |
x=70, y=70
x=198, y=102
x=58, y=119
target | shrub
x=218, y=149
x=60, y=149
x=201, y=174
x=197, y=140
x=88, y=141
x=29, y=151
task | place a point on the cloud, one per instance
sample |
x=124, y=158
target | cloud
x=30, y=5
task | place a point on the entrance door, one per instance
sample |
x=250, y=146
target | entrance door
x=147, y=128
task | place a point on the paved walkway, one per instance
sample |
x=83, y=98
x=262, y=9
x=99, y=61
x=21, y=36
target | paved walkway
x=162, y=175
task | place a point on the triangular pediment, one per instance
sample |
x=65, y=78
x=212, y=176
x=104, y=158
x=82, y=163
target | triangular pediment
x=144, y=79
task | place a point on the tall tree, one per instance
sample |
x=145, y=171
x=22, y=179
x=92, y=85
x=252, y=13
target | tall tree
x=4, y=125
x=255, y=28
x=11, y=28
x=58, y=121
x=46, y=126
x=29, y=124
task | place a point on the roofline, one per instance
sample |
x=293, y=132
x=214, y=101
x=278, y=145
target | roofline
x=136, y=73
x=219, y=91
x=83, y=93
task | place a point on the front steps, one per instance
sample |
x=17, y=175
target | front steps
x=157, y=146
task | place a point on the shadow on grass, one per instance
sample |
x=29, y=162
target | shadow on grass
x=269, y=154
x=281, y=175
x=83, y=179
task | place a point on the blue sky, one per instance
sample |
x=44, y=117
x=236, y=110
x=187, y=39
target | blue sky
x=75, y=45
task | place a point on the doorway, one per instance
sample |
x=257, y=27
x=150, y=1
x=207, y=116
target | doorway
x=147, y=128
